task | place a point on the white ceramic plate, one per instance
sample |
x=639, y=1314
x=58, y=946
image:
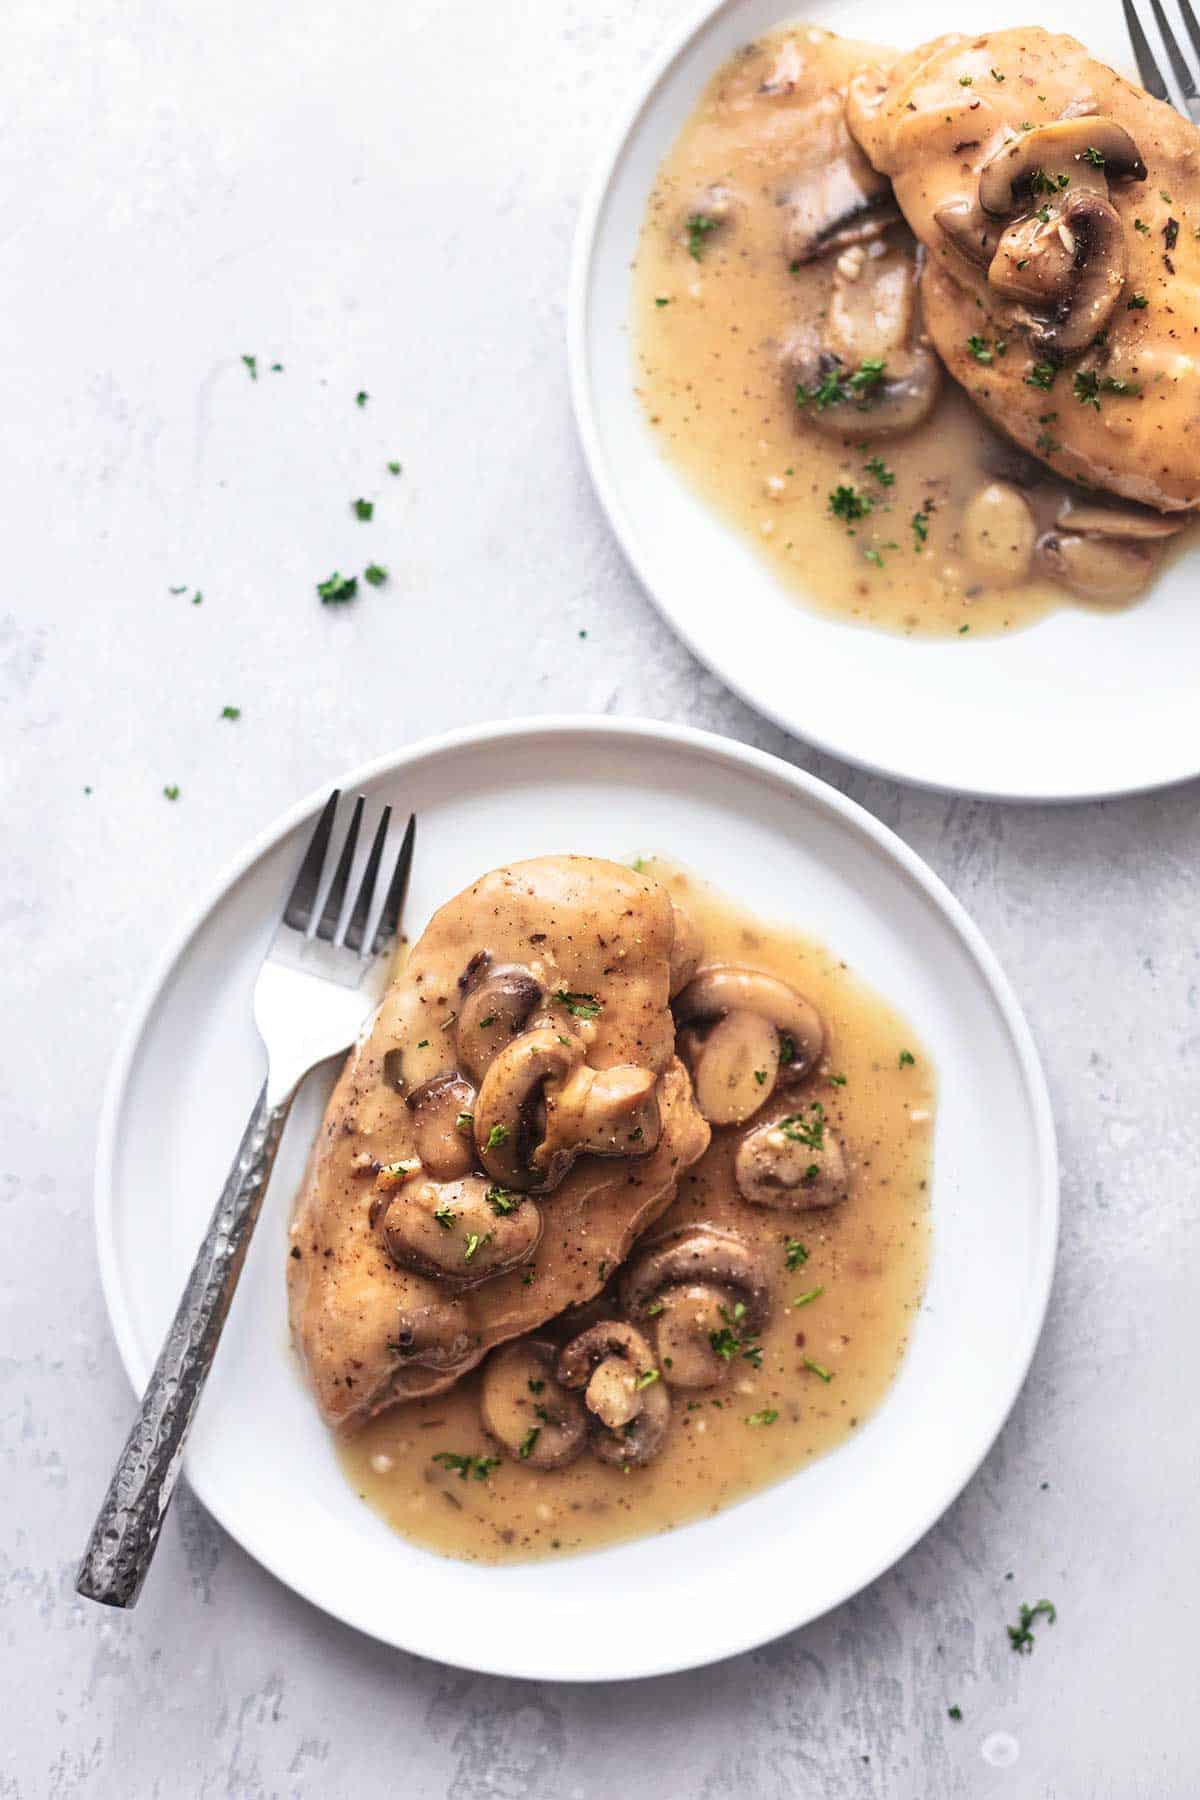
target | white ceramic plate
x=1079, y=706
x=783, y=843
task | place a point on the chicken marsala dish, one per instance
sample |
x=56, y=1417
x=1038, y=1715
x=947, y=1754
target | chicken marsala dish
x=838, y=228
x=617, y=1213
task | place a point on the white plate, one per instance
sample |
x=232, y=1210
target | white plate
x=783, y=843
x=1079, y=706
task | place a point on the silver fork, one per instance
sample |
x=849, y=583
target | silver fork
x=310, y=1002
x=1185, y=65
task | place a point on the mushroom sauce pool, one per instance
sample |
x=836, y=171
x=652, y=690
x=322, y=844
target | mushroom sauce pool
x=783, y=367
x=800, y=1367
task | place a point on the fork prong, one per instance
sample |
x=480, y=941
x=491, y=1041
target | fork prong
x=389, y=918
x=303, y=896
x=1152, y=81
x=356, y=930
x=336, y=897
x=1189, y=19
x=1182, y=73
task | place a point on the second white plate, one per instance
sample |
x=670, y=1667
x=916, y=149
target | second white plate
x=1080, y=706
x=791, y=848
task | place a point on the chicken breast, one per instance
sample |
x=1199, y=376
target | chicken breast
x=1060, y=207
x=513, y=1118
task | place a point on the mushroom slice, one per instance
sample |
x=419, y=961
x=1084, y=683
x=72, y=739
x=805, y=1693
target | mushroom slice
x=461, y=1231
x=523, y=1406
x=496, y=1005
x=968, y=228
x=792, y=1166
x=742, y=1052
x=836, y=198
x=1070, y=147
x=998, y=534
x=623, y=1391
x=540, y=1106
x=442, y=1119
x=1096, y=568
x=1117, y=521
x=1100, y=259
x=431, y=1328
x=707, y=1296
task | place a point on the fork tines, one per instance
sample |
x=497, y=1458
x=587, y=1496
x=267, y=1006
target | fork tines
x=1184, y=65
x=301, y=908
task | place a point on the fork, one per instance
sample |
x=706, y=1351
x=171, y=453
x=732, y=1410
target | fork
x=1184, y=69
x=310, y=1002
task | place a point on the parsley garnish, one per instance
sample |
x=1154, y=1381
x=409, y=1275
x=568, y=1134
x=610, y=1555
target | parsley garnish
x=661, y=300
x=337, y=589
x=478, y=1466
x=837, y=1081
x=1141, y=225
x=965, y=80
x=178, y=590
x=501, y=1201
x=231, y=712
x=474, y=1242
x=698, y=227
x=818, y=1369
x=1041, y=375
x=920, y=526
x=364, y=509
x=809, y=1132
x=955, y=1712
x=647, y=1378
x=980, y=349
x=361, y=398
x=1094, y=156
x=535, y=1387
x=394, y=468
x=465, y=1120
x=528, y=1441
x=251, y=363
x=1135, y=302
x=907, y=1059
x=767, y=1416
x=995, y=75
x=760, y=1075
x=1171, y=232
x=805, y=1299
x=375, y=574
x=444, y=1216
x=172, y=792
x=1021, y=1636
x=1089, y=386
x=882, y=474
x=496, y=1136
x=727, y=1342
x=795, y=1254
x=848, y=503
x=580, y=1006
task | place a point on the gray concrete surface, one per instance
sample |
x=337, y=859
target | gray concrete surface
x=382, y=198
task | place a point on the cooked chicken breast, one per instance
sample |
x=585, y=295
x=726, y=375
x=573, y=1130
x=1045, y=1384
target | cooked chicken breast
x=1060, y=206
x=513, y=1118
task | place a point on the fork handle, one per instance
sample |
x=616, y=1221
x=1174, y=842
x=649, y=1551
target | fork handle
x=125, y=1535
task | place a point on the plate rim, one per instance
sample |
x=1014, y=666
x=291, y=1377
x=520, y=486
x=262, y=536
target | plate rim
x=691, y=739
x=640, y=95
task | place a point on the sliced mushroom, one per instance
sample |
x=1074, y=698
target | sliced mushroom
x=967, y=226
x=442, y=1126
x=1061, y=148
x=795, y=1163
x=462, y=1231
x=540, y=1106
x=624, y=1391
x=742, y=1052
x=432, y=1328
x=835, y=197
x=1117, y=521
x=686, y=949
x=1096, y=568
x=706, y=1295
x=998, y=535
x=527, y=1411
x=496, y=1005
x=1099, y=266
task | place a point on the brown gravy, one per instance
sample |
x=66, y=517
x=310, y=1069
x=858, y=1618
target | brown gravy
x=707, y=332
x=868, y=1257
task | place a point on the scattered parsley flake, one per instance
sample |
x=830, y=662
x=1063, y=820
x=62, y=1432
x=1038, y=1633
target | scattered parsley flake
x=647, y=1378
x=474, y=1242
x=962, y=629
x=361, y=398
x=1135, y=302
x=795, y=1254
x=698, y=227
x=760, y=1075
x=965, y=80
x=580, y=1006
x=501, y=1200
x=496, y=1136
x=337, y=589
x=995, y=75
x=767, y=1416
x=809, y=1132
x=907, y=1059
x=661, y=300
x=955, y=1713
x=880, y=472
x=837, y=1081
x=375, y=574
x=465, y=1120
x=395, y=468
x=806, y=1299
x=364, y=509
x=1020, y=1636
x=818, y=1369
x=178, y=590
x=171, y=792
x=980, y=349
x=1141, y=225
x=231, y=712
x=920, y=527
x=1171, y=232
x=444, y=1216
x=846, y=502
x=251, y=363
x=528, y=1441
x=478, y=1466
x=1041, y=375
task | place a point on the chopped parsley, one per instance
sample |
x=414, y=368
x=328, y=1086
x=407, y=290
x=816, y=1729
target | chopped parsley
x=474, y=1242
x=795, y=1254
x=424, y=1044
x=465, y=1120
x=478, y=1466
x=655, y=1307
x=528, y=1441
x=375, y=574
x=535, y=1387
x=444, y=1216
x=735, y=1338
x=879, y=470
x=251, y=363
x=1020, y=1636
x=178, y=590
x=501, y=1201
x=1043, y=214
x=809, y=1132
x=980, y=349
x=920, y=528
x=806, y=1299
x=907, y=1059
x=338, y=589
x=1135, y=302
x=955, y=1712
x=1094, y=156
x=394, y=468
x=661, y=300
x=1141, y=225
x=837, y=1081
x=580, y=1006
x=364, y=509
x=848, y=503
x=995, y=75
x=171, y=792
x=361, y=398
x=1089, y=386
x=1041, y=375
x=496, y=1136
x=1041, y=183
x=818, y=1369
x=767, y=1416
x=1171, y=232
x=760, y=1075
x=647, y=1378
x=698, y=227
x=787, y=1050
x=837, y=387
x=231, y=712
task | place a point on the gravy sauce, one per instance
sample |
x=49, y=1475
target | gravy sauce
x=867, y=1256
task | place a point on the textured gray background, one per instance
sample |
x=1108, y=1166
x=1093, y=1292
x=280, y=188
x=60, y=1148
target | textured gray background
x=382, y=196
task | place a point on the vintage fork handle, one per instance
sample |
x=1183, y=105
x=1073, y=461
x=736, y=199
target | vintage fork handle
x=125, y=1534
